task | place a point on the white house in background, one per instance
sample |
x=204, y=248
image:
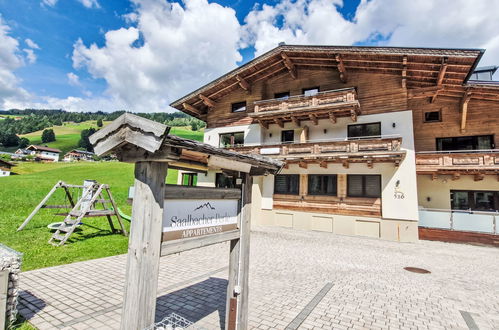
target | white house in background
x=79, y=155
x=44, y=153
x=5, y=168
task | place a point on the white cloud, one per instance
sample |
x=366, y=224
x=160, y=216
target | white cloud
x=50, y=3
x=10, y=60
x=428, y=23
x=90, y=3
x=31, y=44
x=30, y=55
x=169, y=51
x=73, y=79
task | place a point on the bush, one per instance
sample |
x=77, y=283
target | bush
x=23, y=142
x=48, y=135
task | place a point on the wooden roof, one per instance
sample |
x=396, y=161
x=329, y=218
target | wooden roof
x=43, y=148
x=4, y=163
x=133, y=138
x=417, y=67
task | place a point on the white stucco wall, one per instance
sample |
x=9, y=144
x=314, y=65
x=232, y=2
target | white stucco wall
x=252, y=134
x=4, y=173
x=438, y=191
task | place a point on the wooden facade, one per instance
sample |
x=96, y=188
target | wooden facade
x=353, y=82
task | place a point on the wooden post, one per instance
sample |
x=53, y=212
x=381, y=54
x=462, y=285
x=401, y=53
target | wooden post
x=231, y=303
x=243, y=278
x=144, y=247
x=39, y=206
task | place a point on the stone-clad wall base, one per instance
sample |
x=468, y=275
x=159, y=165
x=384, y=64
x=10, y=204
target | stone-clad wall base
x=387, y=229
x=10, y=261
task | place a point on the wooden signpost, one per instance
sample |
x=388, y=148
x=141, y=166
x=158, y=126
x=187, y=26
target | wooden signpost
x=170, y=219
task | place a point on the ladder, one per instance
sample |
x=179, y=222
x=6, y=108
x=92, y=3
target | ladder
x=74, y=217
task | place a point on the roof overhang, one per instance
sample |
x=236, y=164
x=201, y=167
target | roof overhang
x=421, y=66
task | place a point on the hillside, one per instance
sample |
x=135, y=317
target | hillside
x=68, y=135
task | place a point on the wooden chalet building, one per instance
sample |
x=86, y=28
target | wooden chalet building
x=5, y=168
x=372, y=137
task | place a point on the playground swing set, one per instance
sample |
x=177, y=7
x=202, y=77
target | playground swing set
x=88, y=196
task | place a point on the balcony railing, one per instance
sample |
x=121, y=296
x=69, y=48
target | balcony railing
x=458, y=161
x=367, y=149
x=323, y=105
x=300, y=102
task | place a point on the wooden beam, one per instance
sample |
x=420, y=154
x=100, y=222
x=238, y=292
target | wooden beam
x=295, y=121
x=286, y=166
x=441, y=73
x=207, y=101
x=434, y=176
x=39, y=206
x=264, y=124
x=190, y=108
x=404, y=71
x=345, y=164
x=303, y=165
x=279, y=122
x=291, y=67
x=243, y=265
x=341, y=68
x=370, y=163
x=478, y=177
x=464, y=108
x=244, y=83
x=353, y=115
x=332, y=117
x=323, y=164
x=456, y=176
x=144, y=246
x=314, y=119
x=440, y=79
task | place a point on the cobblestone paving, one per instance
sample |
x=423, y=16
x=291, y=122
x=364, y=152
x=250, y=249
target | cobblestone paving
x=289, y=268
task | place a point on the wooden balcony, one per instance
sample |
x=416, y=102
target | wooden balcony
x=455, y=163
x=324, y=105
x=369, y=151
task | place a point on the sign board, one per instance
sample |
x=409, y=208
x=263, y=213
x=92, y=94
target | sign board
x=186, y=218
x=270, y=151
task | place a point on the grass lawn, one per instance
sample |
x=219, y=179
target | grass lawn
x=19, y=195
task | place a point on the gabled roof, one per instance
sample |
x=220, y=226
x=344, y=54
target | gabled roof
x=43, y=148
x=84, y=152
x=422, y=67
x=5, y=163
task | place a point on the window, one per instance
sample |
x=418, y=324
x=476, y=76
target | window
x=282, y=95
x=322, y=184
x=474, y=200
x=466, y=143
x=360, y=131
x=189, y=179
x=288, y=184
x=231, y=139
x=432, y=116
x=310, y=91
x=239, y=106
x=288, y=136
x=224, y=181
x=364, y=185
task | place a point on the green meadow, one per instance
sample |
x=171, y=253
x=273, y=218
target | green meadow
x=20, y=193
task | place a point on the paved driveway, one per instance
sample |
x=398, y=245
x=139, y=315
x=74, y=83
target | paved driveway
x=297, y=280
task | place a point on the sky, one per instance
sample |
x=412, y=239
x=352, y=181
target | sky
x=140, y=55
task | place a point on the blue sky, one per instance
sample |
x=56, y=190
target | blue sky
x=103, y=78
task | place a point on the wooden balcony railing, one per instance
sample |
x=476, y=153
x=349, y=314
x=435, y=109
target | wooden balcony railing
x=458, y=162
x=328, y=104
x=377, y=149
